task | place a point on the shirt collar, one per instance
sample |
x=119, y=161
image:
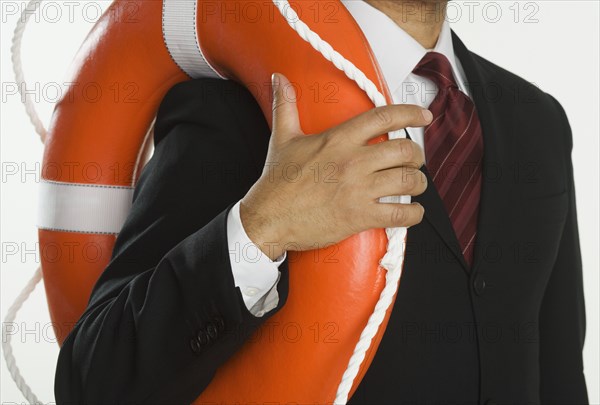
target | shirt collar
x=395, y=50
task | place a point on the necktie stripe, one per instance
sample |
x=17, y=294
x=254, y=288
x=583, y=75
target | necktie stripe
x=457, y=142
x=468, y=244
x=468, y=234
x=433, y=122
x=471, y=182
x=467, y=208
x=462, y=164
x=456, y=194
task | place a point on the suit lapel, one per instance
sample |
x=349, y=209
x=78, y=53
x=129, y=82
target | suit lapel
x=494, y=105
x=436, y=215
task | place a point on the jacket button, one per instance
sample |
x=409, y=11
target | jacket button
x=211, y=331
x=202, y=338
x=220, y=324
x=479, y=284
x=195, y=345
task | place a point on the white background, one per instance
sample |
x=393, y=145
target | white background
x=551, y=43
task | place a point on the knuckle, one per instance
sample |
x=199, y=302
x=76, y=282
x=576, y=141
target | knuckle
x=399, y=216
x=328, y=138
x=348, y=165
x=382, y=117
x=334, y=137
x=277, y=104
x=406, y=148
x=385, y=179
x=330, y=141
x=377, y=180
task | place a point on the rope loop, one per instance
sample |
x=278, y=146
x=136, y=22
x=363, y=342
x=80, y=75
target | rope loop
x=31, y=112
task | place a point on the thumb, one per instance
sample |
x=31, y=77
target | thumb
x=286, y=123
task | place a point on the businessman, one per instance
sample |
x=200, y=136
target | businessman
x=490, y=309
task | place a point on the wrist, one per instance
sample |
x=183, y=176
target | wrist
x=262, y=231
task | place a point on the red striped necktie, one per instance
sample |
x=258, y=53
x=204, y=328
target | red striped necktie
x=454, y=150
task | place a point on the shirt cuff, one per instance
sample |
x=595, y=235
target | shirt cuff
x=253, y=271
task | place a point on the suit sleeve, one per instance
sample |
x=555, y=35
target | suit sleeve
x=562, y=316
x=165, y=313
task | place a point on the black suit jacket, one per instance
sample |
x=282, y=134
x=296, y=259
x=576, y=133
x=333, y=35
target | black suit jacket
x=508, y=331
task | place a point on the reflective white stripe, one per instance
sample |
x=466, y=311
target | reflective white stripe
x=179, y=32
x=83, y=208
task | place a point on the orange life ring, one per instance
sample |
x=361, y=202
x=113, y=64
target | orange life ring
x=95, y=148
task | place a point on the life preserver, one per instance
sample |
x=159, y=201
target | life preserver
x=95, y=148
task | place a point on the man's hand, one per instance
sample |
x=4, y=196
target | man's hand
x=320, y=189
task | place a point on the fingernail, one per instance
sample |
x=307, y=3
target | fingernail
x=275, y=81
x=427, y=115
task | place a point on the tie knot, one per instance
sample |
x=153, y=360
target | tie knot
x=436, y=67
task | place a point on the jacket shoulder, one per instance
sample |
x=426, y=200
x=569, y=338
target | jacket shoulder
x=526, y=95
x=213, y=103
x=525, y=91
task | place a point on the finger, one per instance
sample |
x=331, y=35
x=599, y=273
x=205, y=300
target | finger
x=393, y=153
x=397, y=181
x=286, y=123
x=393, y=215
x=382, y=120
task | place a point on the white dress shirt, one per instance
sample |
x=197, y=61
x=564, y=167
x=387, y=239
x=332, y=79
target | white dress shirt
x=397, y=54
